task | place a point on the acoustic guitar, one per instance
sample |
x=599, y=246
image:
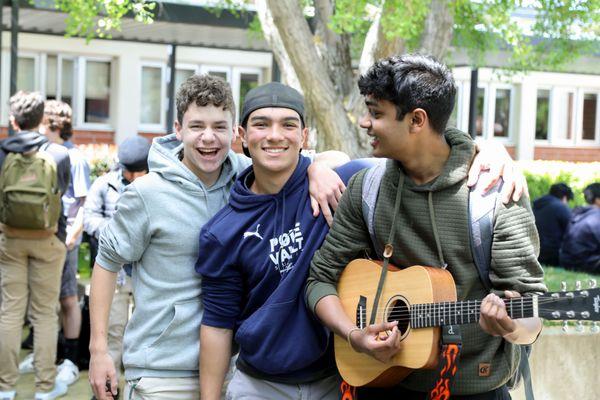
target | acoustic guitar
x=422, y=299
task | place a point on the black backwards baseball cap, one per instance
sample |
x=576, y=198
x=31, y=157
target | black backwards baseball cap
x=133, y=154
x=272, y=94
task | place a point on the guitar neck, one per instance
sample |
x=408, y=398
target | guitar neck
x=466, y=312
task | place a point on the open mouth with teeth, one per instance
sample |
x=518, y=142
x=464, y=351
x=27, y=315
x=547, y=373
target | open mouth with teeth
x=208, y=152
x=275, y=150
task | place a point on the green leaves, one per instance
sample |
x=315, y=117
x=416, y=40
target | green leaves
x=98, y=18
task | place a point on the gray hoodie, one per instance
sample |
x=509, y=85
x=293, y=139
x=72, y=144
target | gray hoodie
x=156, y=229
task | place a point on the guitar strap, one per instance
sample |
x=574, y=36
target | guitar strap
x=388, y=250
x=448, y=365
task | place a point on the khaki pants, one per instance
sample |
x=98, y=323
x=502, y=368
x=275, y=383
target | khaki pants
x=119, y=315
x=29, y=268
x=163, y=389
x=243, y=386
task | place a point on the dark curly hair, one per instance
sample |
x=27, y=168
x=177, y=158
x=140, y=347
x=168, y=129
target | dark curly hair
x=412, y=81
x=204, y=90
x=560, y=190
x=27, y=108
x=592, y=192
x=58, y=116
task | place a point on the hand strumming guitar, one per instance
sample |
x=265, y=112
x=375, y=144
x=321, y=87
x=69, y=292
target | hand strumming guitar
x=380, y=341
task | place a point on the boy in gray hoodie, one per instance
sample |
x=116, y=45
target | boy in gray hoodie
x=156, y=229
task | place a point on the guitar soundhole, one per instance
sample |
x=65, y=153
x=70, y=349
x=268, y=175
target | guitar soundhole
x=397, y=310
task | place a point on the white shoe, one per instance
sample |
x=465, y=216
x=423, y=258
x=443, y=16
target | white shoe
x=8, y=395
x=26, y=366
x=67, y=372
x=59, y=390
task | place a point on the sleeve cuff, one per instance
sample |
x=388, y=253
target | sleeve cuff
x=317, y=291
x=107, y=264
x=215, y=322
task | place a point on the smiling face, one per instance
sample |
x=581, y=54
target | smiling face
x=274, y=137
x=206, y=133
x=389, y=137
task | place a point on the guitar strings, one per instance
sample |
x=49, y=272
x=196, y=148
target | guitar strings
x=528, y=305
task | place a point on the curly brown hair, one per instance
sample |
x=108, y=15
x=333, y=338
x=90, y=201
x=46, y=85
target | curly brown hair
x=27, y=108
x=58, y=116
x=204, y=90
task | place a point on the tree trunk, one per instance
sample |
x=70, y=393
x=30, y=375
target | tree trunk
x=288, y=75
x=437, y=34
x=335, y=130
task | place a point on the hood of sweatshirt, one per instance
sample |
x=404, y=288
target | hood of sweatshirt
x=580, y=213
x=23, y=142
x=545, y=201
x=242, y=198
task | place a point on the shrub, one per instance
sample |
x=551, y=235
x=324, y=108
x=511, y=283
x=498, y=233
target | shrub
x=541, y=175
x=101, y=157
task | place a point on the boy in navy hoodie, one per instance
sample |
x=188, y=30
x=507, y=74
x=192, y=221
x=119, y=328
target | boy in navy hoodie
x=255, y=257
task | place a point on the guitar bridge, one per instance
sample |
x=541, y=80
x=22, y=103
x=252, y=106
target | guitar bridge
x=361, y=312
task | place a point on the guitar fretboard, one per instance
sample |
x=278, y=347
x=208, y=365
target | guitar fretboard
x=465, y=312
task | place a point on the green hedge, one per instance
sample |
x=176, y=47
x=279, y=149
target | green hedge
x=541, y=175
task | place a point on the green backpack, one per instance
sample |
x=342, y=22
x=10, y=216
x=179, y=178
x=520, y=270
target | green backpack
x=30, y=196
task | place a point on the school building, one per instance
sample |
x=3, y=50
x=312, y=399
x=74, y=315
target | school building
x=121, y=87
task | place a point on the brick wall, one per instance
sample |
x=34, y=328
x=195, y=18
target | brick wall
x=581, y=154
x=80, y=136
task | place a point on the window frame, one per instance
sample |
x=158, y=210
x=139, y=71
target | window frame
x=547, y=141
x=155, y=127
x=236, y=84
x=80, y=94
x=554, y=114
x=579, y=140
x=59, y=78
x=509, y=138
x=208, y=68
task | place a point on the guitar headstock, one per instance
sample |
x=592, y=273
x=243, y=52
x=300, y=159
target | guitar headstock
x=569, y=305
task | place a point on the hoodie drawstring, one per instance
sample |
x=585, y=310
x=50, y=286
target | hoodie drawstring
x=435, y=231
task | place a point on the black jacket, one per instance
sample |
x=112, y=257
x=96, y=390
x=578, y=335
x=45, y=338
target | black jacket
x=551, y=219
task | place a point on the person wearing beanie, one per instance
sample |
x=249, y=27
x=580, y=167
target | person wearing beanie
x=99, y=208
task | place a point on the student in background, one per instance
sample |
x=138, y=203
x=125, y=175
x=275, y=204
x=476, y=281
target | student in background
x=552, y=215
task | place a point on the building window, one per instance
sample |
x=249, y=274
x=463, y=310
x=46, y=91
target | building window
x=152, y=95
x=248, y=81
x=502, y=113
x=59, y=79
x=565, y=112
x=181, y=75
x=26, y=76
x=97, y=92
x=590, y=108
x=480, y=120
x=542, y=114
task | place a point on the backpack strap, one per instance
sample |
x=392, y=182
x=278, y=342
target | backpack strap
x=482, y=208
x=370, y=192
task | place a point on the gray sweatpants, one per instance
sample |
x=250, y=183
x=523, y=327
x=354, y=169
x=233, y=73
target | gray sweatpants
x=245, y=387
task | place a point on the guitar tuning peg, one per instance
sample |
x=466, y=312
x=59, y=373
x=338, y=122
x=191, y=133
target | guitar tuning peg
x=577, y=285
x=563, y=286
x=592, y=284
x=595, y=328
x=579, y=326
x=565, y=326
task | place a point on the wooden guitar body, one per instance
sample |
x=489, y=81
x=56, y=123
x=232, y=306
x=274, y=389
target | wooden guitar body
x=420, y=347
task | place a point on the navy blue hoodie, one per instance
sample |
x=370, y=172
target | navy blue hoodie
x=256, y=254
x=581, y=248
x=551, y=219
